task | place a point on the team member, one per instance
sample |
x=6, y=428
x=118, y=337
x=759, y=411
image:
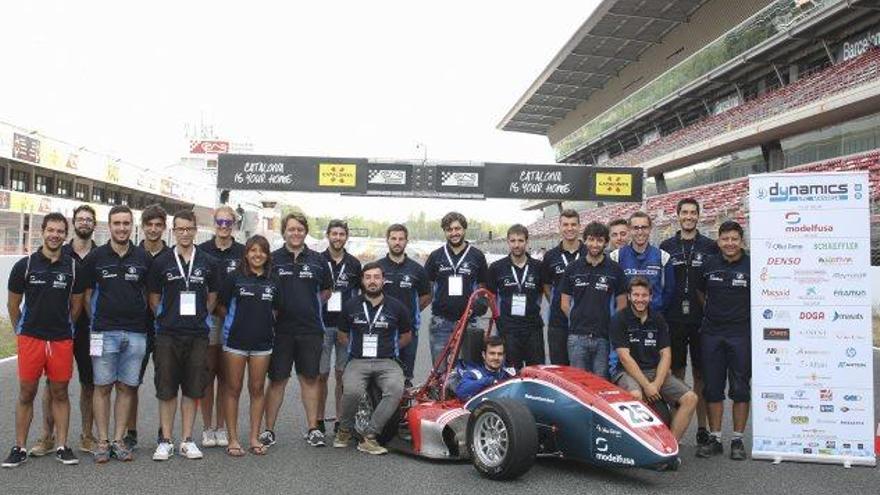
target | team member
x=640, y=258
x=299, y=330
x=618, y=231
x=456, y=270
x=471, y=380
x=249, y=300
x=183, y=292
x=228, y=252
x=725, y=338
x=589, y=288
x=556, y=260
x=51, y=285
x=688, y=250
x=153, y=228
x=116, y=302
x=406, y=281
x=345, y=272
x=641, y=338
x=374, y=328
x=517, y=284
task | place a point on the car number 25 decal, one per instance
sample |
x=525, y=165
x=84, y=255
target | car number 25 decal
x=637, y=414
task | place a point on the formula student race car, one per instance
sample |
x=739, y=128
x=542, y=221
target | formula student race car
x=554, y=411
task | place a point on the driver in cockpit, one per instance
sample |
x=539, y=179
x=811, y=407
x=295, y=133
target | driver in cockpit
x=472, y=378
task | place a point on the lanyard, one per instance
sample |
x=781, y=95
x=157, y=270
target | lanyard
x=519, y=284
x=189, y=271
x=371, y=324
x=688, y=259
x=449, y=258
x=341, y=271
x=565, y=262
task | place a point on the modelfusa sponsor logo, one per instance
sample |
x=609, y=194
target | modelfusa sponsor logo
x=795, y=224
x=615, y=458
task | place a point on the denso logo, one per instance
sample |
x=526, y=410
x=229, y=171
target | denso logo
x=805, y=192
x=779, y=260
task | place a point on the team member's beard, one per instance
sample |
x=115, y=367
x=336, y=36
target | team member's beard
x=84, y=234
x=373, y=292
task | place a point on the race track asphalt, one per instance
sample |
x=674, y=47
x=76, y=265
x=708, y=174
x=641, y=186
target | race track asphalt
x=293, y=467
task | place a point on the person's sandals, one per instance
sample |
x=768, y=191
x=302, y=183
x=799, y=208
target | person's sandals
x=235, y=452
x=258, y=449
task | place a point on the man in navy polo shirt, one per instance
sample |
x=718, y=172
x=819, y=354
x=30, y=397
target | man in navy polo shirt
x=299, y=329
x=374, y=328
x=406, y=281
x=456, y=270
x=725, y=339
x=556, y=260
x=590, y=287
x=51, y=284
x=116, y=295
x=688, y=250
x=345, y=273
x=517, y=284
x=183, y=292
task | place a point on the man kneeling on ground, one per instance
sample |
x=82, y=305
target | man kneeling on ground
x=641, y=338
x=374, y=328
x=473, y=379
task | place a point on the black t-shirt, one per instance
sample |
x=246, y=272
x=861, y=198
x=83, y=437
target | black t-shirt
x=553, y=268
x=688, y=258
x=227, y=259
x=165, y=278
x=471, y=266
x=505, y=285
x=250, y=301
x=345, y=278
x=728, y=296
x=47, y=287
x=302, y=280
x=83, y=322
x=151, y=318
x=593, y=290
x=119, y=288
x=393, y=321
x=406, y=282
x=644, y=340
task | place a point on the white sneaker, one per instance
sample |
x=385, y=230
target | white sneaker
x=190, y=450
x=222, y=437
x=209, y=438
x=164, y=451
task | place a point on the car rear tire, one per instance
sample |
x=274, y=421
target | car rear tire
x=502, y=439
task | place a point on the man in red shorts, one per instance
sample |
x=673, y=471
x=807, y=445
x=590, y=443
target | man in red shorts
x=51, y=284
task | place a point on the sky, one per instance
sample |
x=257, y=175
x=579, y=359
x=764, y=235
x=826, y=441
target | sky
x=356, y=79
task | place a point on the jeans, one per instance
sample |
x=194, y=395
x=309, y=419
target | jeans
x=439, y=333
x=122, y=353
x=387, y=375
x=589, y=353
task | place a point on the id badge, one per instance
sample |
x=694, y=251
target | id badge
x=518, y=305
x=456, y=285
x=370, y=348
x=685, y=307
x=96, y=344
x=188, y=303
x=334, y=304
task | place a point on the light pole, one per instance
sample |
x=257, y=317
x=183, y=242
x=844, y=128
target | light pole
x=424, y=148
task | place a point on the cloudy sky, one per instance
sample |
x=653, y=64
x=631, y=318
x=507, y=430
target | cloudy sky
x=362, y=79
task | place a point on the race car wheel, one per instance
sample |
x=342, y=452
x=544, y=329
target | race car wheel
x=502, y=439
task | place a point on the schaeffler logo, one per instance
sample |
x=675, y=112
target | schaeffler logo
x=804, y=192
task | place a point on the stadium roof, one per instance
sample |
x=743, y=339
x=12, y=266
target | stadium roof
x=615, y=35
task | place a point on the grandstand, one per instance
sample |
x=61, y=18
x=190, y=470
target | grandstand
x=701, y=94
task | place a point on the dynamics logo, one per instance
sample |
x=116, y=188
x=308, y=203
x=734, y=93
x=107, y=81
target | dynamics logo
x=804, y=192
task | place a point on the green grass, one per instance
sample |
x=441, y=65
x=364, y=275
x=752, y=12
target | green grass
x=7, y=338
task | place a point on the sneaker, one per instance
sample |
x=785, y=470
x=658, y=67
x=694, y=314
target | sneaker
x=102, y=452
x=737, y=450
x=164, y=450
x=702, y=436
x=130, y=439
x=190, y=450
x=222, y=437
x=267, y=438
x=87, y=444
x=711, y=448
x=336, y=427
x=16, y=457
x=209, y=439
x=121, y=452
x=371, y=446
x=316, y=438
x=321, y=427
x=65, y=456
x=43, y=446
x=342, y=439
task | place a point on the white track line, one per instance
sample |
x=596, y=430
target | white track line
x=8, y=359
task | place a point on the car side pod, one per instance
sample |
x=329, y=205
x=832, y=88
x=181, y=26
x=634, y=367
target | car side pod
x=502, y=439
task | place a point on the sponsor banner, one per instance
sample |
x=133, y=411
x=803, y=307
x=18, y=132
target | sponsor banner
x=208, y=147
x=291, y=173
x=459, y=179
x=615, y=184
x=556, y=182
x=389, y=177
x=812, y=361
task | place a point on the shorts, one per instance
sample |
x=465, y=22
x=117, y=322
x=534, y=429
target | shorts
x=181, y=363
x=122, y=353
x=151, y=346
x=81, y=353
x=240, y=352
x=216, y=331
x=331, y=342
x=672, y=389
x=684, y=337
x=35, y=356
x=727, y=360
x=524, y=347
x=304, y=350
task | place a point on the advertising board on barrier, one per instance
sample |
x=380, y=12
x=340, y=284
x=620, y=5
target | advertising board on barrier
x=812, y=361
